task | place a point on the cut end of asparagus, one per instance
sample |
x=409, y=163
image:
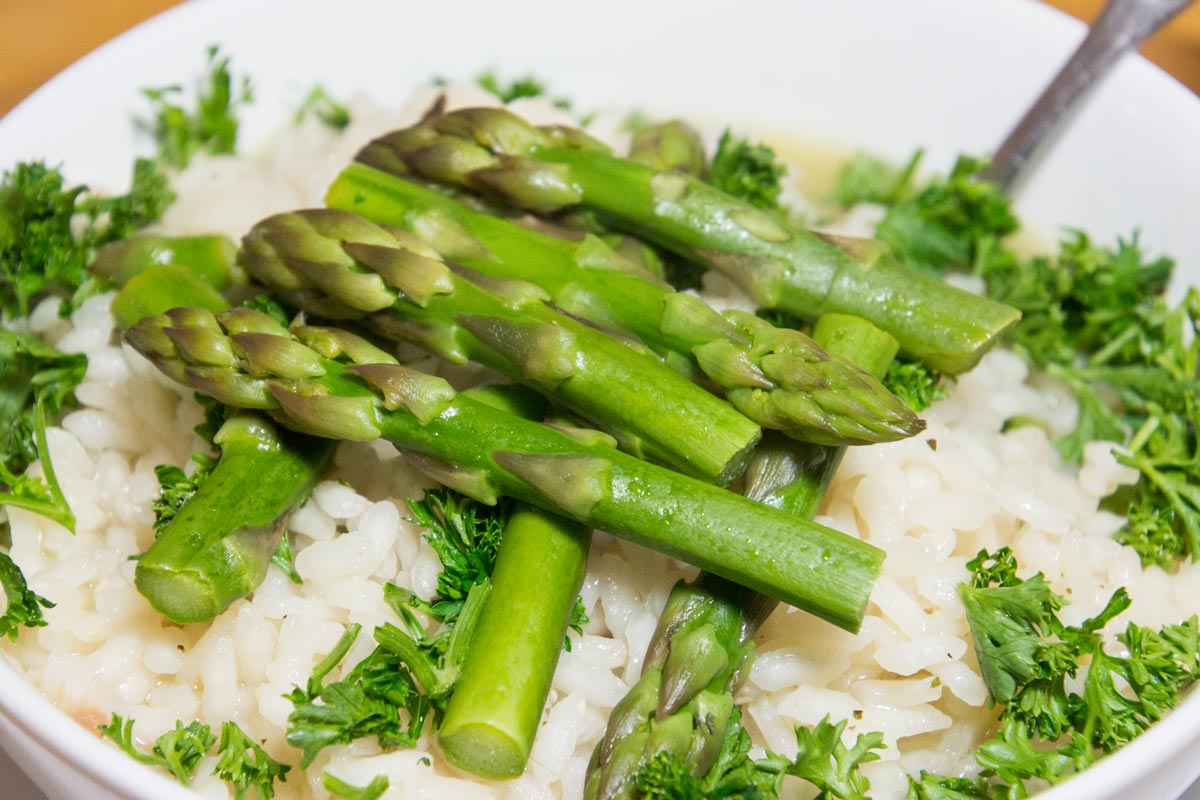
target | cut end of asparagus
x=483, y=750
x=183, y=596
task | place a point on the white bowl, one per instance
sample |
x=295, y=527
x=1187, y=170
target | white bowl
x=947, y=75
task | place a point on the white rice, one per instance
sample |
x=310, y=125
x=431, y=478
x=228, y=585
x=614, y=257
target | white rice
x=932, y=502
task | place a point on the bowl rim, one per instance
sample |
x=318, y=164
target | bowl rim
x=31, y=713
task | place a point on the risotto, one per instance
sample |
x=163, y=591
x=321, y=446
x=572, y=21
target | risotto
x=931, y=502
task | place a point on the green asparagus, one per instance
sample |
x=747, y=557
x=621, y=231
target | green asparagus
x=338, y=265
x=670, y=145
x=244, y=358
x=777, y=377
x=218, y=544
x=159, y=288
x=552, y=169
x=491, y=718
x=704, y=643
x=210, y=258
x=489, y=722
x=217, y=547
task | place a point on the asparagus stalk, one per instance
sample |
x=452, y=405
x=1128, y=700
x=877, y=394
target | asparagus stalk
x=777, y=377
x=209, y=258
x=246, y=359
x=217, y=547
x=670, y=145
x=704, y=643
x=493, y=715
x=338, y=265
x=548, y=170
x=160, y=288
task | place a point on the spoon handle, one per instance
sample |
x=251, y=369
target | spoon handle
x=1121, y=26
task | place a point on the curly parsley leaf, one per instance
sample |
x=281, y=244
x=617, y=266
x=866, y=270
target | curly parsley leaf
x=466, y=536
x=179, y=750
x=929, y=786
x=176, y=487
x=822, y=760
x=320, y=104
x=914, y=383
x=211, y=127
x=1012, y=756
x=376, y=698
x=747, y=171
x=49, y=231
x=1009, y=619
x=1150, y=530
x=32, y=373
x=244, y=765
x=867, y=179
x=23, y=605
x=734, y=775
x=1094, y=317
x=1026, y=655
x=339, y=788
x=41, y=495
x=829, y=765
x=527, y=86
x=119, y=216
x=948, y=223
x=34, y=379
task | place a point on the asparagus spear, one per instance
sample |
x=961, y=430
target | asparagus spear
x=209, y=258
x=246, y=359
x=493, y=715
x=548, y=170
x=160, y=288
x=491, y=718
x=777, y=377
x=670, y=145
x=704, y=643
x=338, y=265
x=218, y=545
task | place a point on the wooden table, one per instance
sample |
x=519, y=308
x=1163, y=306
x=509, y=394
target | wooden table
x=40, y=37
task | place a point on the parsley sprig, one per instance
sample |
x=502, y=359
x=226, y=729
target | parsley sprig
x=241, y=762
x=212, y=126
x=1028, y=657
x=1096, y=318
x=747, y=170
x=822, y=760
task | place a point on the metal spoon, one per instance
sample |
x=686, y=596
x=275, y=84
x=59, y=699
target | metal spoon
x=1121, y=26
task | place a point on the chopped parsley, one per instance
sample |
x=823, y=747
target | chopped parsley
x=339, y=788
x=23, y=606
x=466, y=537
x=376, y=698
x=747, y=171
x=179, y=750
x=49, y=231
x=244, y=765
x=1095, y=317
x=320, y=104
x=241, y=762
x=1029, y=658
x=176, y=487
x=516, y=89
x=212, y=127
x=914, y=383
x=822, y=760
